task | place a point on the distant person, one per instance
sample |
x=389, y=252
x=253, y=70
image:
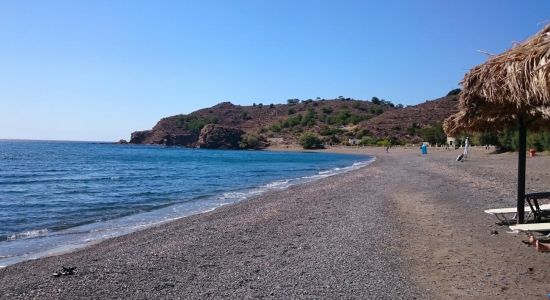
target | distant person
x=424, y=150
x=466, y=148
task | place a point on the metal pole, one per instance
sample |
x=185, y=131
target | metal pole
x=521, y=170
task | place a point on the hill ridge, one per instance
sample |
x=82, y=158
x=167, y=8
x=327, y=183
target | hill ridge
x=336, y=121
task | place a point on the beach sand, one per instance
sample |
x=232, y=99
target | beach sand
x=404, y=227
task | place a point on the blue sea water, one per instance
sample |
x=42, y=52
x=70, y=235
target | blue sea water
x=57, y=196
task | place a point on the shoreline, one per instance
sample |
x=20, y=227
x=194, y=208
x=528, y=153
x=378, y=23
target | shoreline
x=60, y=249
x=405, y=227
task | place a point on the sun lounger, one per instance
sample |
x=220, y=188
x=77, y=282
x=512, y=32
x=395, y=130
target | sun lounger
x=503, y=214
x=531, y=227
x=538, y=211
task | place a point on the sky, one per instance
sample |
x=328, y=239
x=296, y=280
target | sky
x=98, y=70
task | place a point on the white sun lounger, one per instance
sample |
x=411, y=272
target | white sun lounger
x=531, y=227
x=502, y=213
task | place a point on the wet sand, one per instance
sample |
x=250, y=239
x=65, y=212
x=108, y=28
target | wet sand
x=404, y=227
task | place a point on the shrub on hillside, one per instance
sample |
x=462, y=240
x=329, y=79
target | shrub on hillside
x=249, y=141
x=309, y=140
x=454, y=92
x=327, y=110
x=368, y=141
x=433, y=134
x=194, y=123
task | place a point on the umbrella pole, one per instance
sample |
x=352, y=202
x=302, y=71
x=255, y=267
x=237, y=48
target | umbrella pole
x=521, y=170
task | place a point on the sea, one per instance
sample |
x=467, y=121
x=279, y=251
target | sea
x=59, y=196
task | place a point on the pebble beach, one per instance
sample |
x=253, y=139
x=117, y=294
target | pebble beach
x=404, y=227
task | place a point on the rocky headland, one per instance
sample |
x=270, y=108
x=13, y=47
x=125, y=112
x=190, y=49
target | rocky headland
x=336, y=122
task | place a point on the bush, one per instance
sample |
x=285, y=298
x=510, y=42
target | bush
x=368, y=141
x=508, y=140
x=249, y=141
x=433, y=134
x=354, y=119
x=454, y=92
x=330, y=131
x=245, y=116
x=276, y=128
x=327, y=110
x=376, y=111
x=485, y=138
x=309, y=118
x=293, y=101
x=309, y=140
x=292, y=121
x=193, y=123
x=383, y=143
x=361, y=133
x=413, y=129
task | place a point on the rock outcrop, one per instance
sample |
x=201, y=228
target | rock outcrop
x=160, y=137
x=171, y=131
x=214, y=136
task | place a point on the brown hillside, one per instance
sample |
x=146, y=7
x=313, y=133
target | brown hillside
x=395, y=123
x=335, y=121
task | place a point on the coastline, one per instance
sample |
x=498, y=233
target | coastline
x=404, y=227
x=93, y=233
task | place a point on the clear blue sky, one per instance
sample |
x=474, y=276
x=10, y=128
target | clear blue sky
x=97, y=70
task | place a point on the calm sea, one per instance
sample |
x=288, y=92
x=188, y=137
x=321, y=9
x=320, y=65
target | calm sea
x=57, y=196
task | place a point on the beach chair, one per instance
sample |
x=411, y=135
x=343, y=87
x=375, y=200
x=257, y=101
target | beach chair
x=539, y=211
x=509, y=214
x=539, y=227
x=505, y=215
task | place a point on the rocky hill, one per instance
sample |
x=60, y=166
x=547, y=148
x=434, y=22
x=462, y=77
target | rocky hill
x=336, y=121
x=404, y=124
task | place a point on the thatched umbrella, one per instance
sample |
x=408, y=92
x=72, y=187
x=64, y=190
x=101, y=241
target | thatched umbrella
x=509, y=90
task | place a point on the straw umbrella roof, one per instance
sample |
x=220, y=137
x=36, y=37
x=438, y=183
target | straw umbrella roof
x=509, y=86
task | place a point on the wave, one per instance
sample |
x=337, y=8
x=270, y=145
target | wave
x=236, y=196
x=33, y=244
x=27, y=234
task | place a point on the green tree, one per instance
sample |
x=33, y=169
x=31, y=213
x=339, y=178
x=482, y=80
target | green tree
x=308, y=140
x=327, y=110
x=309, y=118
x=249, y=141
x=485, y=138
x=433, y=134
x=368, y=141
x=454, y=92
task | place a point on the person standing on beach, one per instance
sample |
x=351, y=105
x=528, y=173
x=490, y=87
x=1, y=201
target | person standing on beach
x=466, y=146
x=424, y=149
